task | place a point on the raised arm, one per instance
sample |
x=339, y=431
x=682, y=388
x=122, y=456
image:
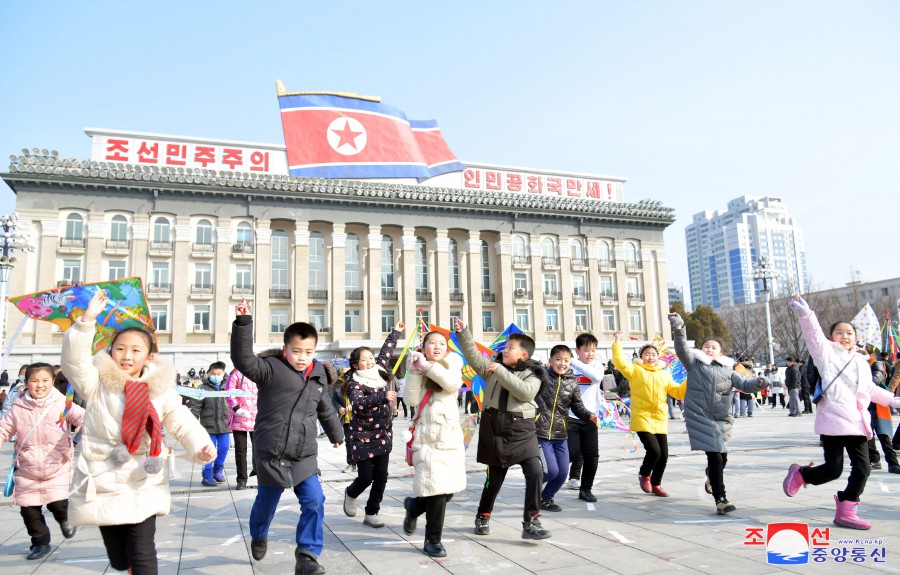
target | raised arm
x=819, y=347
x=468, y=348
x=748, y=383
x=242, y=355
x=679, y=333
x=623, y=365
x=387, y=348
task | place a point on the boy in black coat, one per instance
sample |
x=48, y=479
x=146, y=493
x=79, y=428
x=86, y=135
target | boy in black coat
x=213, y=415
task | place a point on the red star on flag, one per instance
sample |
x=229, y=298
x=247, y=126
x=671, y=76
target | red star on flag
x=347, y=135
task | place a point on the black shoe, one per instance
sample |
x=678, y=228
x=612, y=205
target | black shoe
x=241, y=485
x=893, y=468
x=534, y=530
x=38, y=552
x=258, y=548
x=409, y=521
x=307, y=564
x=482, y=525
x=548, y=505
x=586, y=495
x=875, y=465
x=434, y=549
x=67, y=529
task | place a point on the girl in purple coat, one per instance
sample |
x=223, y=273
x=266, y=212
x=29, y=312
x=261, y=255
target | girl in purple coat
x=842, y=416
x=241, y=419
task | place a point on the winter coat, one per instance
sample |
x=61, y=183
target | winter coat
x=894, y=384
x=778, y=379
x=289, y=403
x=14, y=391
x=650, y=386
x=338, y=400
x=243, y=422
x=211, y=411
x=792, y=377
x=439, y=456
x=559, y=395
x=107, y=492
x=843, y=408
x=44, y=463
x=707, y=395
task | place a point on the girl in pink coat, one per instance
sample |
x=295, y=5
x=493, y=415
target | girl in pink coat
x=842, y=414
x=241, y=419
x=44, y=453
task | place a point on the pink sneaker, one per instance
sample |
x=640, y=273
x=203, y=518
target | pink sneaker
x=794, y=480
x=845, y=515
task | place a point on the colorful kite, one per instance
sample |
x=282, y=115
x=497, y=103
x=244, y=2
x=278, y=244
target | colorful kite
x=196, y=393
x=127, y=307
x=70, y=399
x=469, y=426
x=868, y=330
x=668, y=357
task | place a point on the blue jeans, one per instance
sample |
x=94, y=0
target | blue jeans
x=556, y=457
x=222, y=441
x=310, y=535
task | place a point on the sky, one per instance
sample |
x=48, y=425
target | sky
x=696, y=102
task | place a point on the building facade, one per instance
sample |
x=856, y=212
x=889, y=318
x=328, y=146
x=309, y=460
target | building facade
x=676, y=293
x=724, y=247
x=351, y=257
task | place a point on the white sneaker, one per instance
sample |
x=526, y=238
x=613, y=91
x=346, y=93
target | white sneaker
x=574, y=484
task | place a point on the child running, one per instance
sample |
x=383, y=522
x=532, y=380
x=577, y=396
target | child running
x=213, y=413
x=293, y=395
x=650, y=385
x=584, y=447
x=371, y=436
x=439, y=457
x=241, y=420
x=120, y=480
x=44, y=453
x=707, y=403
x=556, y=398
x=842, y=417
x=507, y=435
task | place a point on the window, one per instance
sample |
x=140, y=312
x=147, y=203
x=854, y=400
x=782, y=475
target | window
x=387, y=320
x=351, y=263
x=578, y=285
x=352, y=322
x=387, y=263
x=317, y=319
x=485, y=268
x=550, y=284
x=453, y=256
x=116, y=270
x=426, y=317
x=604, y=253
x=160, y=273
x=160, y=316
x=552, y=316
x=118, y=231
x=635, y=320
x=519, y=248
x=487, y=321
x=548, y=248
x=581, y=322
x=279, y=320
x=316, y=261
x=280, y=260
x=244, y=236
x=161, y=230
x=631, y=253
x=609, y=320
x=421, y=265
x=522, y=319
x=577, y=250
x=520, y=282
x=203, y=275
x=606, y=286
x=201, y=318
x=72, y=271
x=884, y=292
x=204, y=233
x=74, y=227
x=634, y=286
x=454, y=315
x=243, y=276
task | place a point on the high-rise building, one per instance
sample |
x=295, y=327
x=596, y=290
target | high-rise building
x=724, y=247
x=676, y=293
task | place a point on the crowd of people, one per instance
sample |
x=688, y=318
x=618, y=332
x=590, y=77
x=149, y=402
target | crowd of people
x=540, y=416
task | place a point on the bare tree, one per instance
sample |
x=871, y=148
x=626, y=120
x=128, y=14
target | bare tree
x=747, y=327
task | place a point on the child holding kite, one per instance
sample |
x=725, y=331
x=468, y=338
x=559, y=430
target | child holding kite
x=707, y=402
x=120, y=481
x=371, y=389
x=40, y=419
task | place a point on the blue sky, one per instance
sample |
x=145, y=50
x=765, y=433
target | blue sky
x=695, y=102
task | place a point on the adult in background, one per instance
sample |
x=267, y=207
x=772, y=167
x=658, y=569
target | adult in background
x=881, y=419
x=792, y=382
x=805, y=395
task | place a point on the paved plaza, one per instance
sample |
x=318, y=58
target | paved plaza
x=625, y=532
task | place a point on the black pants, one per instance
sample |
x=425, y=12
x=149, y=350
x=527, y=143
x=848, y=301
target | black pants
x=35, y=524
x=654, y=464
x=834, y=445
x=584, y=450
x=240, y=453
x=433, y=507
x=401, y=403
x=471, y=402
x=534, y=477
x=715, y=468
x=347, y=445
x=895, y=443
x=132, y=546
x=807, y=400
x=374, y=472
x=885, y=440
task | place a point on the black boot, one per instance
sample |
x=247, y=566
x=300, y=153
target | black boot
x=434, y=549
x=67, y=529
x=38, y=552
x=409, y=521
x=307, y=564
x=258, y=548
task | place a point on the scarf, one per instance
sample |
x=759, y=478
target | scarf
x=370, y=377
x=140, y=416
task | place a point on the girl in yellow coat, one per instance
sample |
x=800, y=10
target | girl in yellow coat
x=650, y=383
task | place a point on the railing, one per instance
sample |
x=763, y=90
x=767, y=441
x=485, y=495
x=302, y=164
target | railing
x=488, y=297
x=317, y=294
x=633, y=266
x=608, y=298
x=423, y=295
x=63, y=283
x=389, y=294
x=279, y=293
x=552, y=295
x=607, y=264
x=578, y=263
x=242, y=249
x=161, y=247
x=242, y=290
x=201, y=289
x=550, y=262
x=457, y=296
x=635, y=298
x=118, y=245
x=159, y=288
x=203, y=248
x=581, y=296
x=71, y=243
x=521, y=294
x=521, y=261
x=353, y=294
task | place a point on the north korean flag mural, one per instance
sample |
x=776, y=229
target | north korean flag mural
x=331, y=135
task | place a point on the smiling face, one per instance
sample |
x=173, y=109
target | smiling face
x=131, y=352
x=586, y=353
x=300, y=352
x=844, y=334
x=712, y=348
x=366, y=360
x=650, y=356
x=40, y=383
x=560, y=362
x=435, y=347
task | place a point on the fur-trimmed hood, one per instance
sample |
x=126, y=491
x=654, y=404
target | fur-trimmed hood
x=331, y=373
x=723, y=360
x=159, y=375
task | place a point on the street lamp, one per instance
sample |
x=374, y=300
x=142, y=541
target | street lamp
x=764, y=274
x=11, y=239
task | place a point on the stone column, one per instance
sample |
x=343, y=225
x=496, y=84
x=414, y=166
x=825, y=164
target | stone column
x=621, y=282
x=222, y=303
x=262, y=279
x=407, y=279
x=441, y=289
x=595, y=313
x=567, y=310
x=504, y=286
x=371, y=268
x=658, y=299
x=300, y=289
x=140, y=235
x=181, y=281
x=93, y=265
x=337, y=295
x=47, y=276
x=539, y=325
x=472, y=285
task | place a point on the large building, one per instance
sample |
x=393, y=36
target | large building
x=724, y=248
x=207, y=223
